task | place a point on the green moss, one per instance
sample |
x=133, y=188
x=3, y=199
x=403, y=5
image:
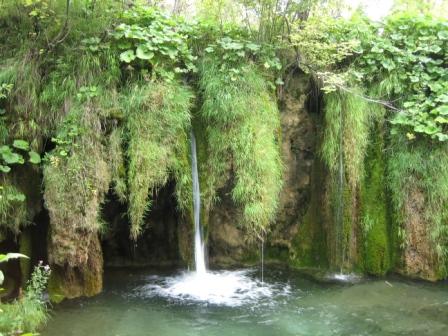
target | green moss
x=348, y=120
x=56, y=285
x=374, y=211
x=84, y=280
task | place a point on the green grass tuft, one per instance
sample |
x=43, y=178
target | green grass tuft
x=242, y=123
x=158, y=119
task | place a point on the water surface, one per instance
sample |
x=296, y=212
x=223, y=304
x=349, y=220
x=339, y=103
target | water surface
x=142, y=303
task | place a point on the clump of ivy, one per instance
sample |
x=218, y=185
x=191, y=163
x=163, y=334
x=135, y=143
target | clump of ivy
x=154, y=42
x=233, y=51
x=14, y=154
x=409, y=61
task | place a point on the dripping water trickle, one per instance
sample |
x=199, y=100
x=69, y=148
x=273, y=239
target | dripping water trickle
x=262, y=259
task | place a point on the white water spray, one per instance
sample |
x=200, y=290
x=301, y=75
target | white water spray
x=230, y=288
x=199, y=255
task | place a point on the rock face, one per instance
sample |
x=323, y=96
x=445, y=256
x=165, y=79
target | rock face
x=298, y=130
x=85, y=279
x=419, y=259
x=226, y=243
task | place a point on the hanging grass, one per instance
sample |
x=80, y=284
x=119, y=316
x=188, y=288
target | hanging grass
x=158, y=117
x=117, y=164
x=348, y=119
x=242, y=125
x=76, y=178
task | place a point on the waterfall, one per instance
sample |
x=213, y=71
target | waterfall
x=199, y=255
x=231, y=288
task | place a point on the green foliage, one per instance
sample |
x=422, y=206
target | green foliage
x=242, y=122
x=9, y=156
x=154, y=42
x=233, y=52
x=5, y=90
x=7, y=257
x=405, y=57
x=325, y=44
x=117, y=164
x=158, y=117
x=411, y=54
x=29, y=312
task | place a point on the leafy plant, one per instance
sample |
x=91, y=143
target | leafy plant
x=151, y=41
x=5, y=90
x=11, y=155
x=233, y=53
x=25, y=315
x=409, y=59
x=7, y=257
x=65, y=138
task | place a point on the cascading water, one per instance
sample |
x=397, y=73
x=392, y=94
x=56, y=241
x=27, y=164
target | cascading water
x=199, y=254
x=230, y=288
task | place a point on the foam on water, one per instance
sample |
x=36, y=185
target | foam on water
x=345, y=277
x=224, y=288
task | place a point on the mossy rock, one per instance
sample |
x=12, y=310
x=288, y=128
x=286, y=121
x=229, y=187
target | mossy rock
x=375, y=218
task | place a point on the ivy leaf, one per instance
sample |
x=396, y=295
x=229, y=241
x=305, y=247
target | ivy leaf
x=127, y=56
x=143, y=53
x=12, y=158
x=443, y=35
x=442, y=137
x=279, y=81
x=9, y=256
x=21, y=144
x=253, y=47
x=443, y=110
x=19, y=197
x=34, y=157
x=388, y=64
x=5, y=169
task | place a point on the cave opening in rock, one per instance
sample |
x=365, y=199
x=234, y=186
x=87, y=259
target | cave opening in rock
x=158, y=244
